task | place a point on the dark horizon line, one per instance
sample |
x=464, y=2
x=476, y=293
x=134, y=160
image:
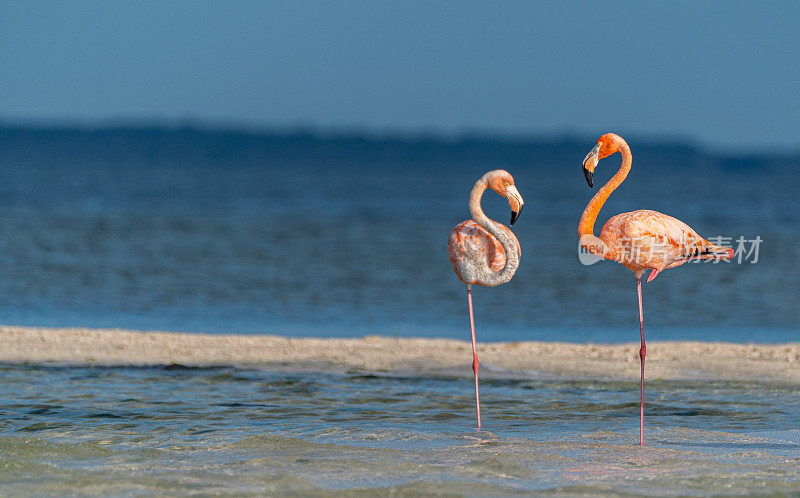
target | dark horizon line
x=357, y=133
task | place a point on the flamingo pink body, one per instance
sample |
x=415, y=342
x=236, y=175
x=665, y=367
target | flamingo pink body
x=639, y=240
x=648, y=240
x=484, y=252
x=471, y=245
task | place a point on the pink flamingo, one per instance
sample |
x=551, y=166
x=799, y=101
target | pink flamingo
x=639, y=240
x=484, y=252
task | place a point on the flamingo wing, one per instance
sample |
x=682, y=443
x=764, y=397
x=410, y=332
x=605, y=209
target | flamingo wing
x=647, y=239
x=470, y=244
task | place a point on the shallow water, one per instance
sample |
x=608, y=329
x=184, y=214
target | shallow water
x=142, y=431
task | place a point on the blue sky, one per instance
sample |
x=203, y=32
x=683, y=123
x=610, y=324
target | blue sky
x=725, y=74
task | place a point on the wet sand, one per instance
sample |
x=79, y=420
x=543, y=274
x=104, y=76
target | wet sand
x=665, y=360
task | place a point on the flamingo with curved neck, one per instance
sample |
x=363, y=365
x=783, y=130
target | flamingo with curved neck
x=484, y=252
x=638, y=240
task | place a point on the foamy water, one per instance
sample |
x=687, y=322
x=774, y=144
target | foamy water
x=162, y=430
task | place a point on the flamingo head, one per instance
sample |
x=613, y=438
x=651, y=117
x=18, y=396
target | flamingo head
x=502, y=182
x=606, y=145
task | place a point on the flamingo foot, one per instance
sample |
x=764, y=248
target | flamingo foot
x=653, y=274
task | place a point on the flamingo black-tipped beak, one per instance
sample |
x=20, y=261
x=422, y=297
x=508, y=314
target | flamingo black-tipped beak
x=590, y=163
x=515, y=202
x=515, y=215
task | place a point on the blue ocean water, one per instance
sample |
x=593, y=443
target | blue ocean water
x=345, y=235
x=314, y=235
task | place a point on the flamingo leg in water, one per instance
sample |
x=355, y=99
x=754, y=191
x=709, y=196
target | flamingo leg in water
x=642, y=354
x=474, y=355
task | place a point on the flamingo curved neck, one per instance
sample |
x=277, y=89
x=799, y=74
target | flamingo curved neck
x=512, y=255
x=589, y=216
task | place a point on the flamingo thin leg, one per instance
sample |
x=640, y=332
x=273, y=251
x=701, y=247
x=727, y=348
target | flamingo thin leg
x=642, y=354
x=474, y=355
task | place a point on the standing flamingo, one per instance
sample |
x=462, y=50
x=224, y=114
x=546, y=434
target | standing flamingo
x=639, y=240
x=484, y=252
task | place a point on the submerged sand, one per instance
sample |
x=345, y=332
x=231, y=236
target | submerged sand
x=665, y=360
